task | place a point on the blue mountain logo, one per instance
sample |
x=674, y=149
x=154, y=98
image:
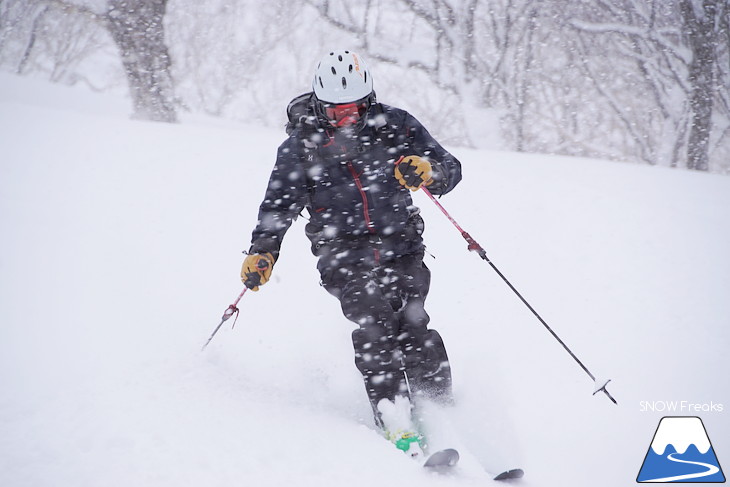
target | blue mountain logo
x=681, y=452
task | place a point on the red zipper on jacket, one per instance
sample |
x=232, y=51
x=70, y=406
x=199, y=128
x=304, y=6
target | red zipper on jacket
x=365, y=207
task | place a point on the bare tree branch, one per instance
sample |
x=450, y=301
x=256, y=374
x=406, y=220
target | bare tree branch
x=76, y=9
x=31, y=41
x=615, y=106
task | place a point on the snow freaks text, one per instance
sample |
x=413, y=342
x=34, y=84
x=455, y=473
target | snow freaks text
x=680, y=407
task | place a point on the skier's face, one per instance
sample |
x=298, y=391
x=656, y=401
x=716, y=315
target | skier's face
x=345, y=114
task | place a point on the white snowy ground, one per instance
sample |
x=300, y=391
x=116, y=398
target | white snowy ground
x=120, y=248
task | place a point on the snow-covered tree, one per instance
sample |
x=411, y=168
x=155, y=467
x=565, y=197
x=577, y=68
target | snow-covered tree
x=635, y=80
x=620, y=79
x=656, y=66
x=56, y=36
x=137, y=28
x=702, y=25
x=236, y=59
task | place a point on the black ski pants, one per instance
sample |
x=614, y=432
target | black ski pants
x=392, y=340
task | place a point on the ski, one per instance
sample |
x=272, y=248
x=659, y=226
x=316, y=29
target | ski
x=516, y=473
x=449, y=457
x=442, y=458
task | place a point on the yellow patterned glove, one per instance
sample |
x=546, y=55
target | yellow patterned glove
x=413, y=172
x=256, y=270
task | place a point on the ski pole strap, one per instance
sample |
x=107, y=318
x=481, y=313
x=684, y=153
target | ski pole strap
x=474, y=246
x=230, y=311
x=233, y=308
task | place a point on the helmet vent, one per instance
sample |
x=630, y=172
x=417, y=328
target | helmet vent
x=320, y=82
x=366, y=76
x=333, y=70
x=339, y=57
x=344, y=83
x=350, y=68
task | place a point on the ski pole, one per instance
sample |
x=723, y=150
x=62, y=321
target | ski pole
x=230, y=311
x=474, y=246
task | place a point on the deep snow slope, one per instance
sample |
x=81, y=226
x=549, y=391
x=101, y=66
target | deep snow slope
x=120, y=247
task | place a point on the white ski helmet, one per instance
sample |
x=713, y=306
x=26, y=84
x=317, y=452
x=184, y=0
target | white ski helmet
x=342, y=77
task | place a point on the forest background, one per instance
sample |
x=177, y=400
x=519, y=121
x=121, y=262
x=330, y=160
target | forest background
x=643, y=81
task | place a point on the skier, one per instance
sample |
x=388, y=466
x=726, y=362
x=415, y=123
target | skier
x=352, y=163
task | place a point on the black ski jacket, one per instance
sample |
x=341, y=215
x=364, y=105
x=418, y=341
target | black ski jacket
x=359, y=214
